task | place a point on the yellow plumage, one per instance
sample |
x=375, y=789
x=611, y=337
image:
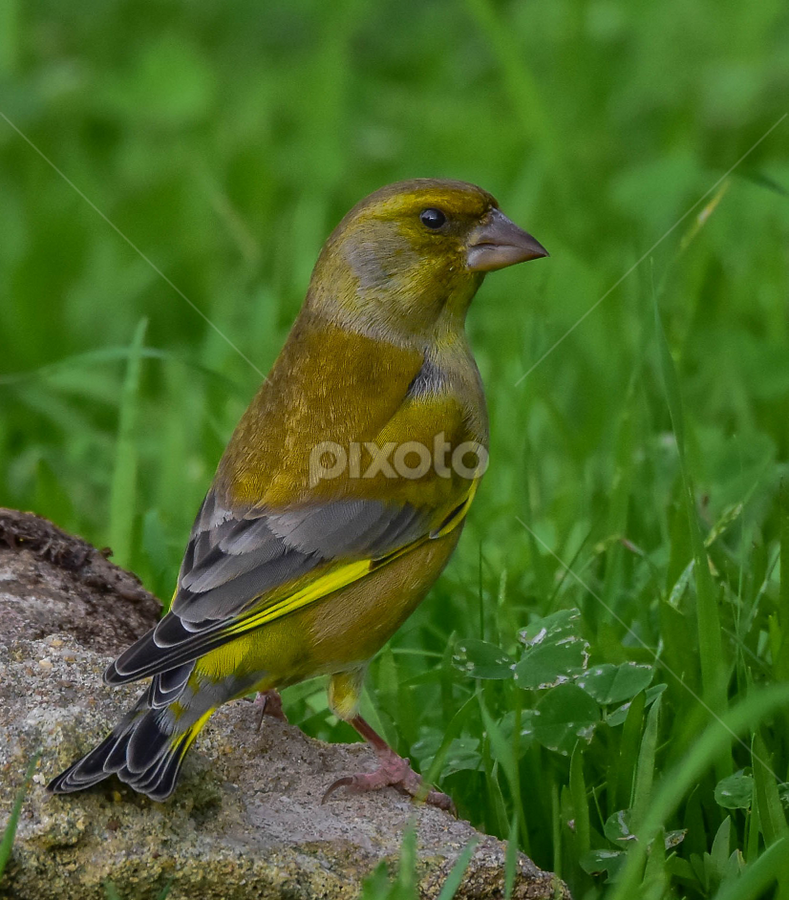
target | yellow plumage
x=295, y=568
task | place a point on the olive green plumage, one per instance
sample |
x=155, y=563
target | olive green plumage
x=286, y=577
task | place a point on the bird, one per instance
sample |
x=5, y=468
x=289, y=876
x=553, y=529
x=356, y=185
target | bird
x=341, y=495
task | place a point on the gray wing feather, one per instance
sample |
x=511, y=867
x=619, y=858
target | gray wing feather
x=234, y=557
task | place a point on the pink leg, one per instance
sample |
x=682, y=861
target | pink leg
x=394, y=771
x=270, y=704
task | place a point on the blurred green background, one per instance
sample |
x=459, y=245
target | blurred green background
x=225, y=141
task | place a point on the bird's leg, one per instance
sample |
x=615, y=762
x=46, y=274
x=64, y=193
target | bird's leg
x=270, y=704
x=393, y=771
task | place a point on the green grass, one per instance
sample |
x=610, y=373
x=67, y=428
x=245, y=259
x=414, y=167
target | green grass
x=636, y=472
x=12, y=822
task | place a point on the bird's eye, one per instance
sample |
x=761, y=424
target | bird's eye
x=432, y=218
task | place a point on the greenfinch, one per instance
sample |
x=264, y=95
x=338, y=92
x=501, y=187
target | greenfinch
x=341, y=495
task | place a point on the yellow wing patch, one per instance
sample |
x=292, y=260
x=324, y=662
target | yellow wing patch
x=326, y=584
x=339, y=577
x=458, y=514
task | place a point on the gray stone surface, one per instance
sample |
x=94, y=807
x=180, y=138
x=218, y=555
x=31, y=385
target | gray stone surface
x=52, y=582
x=246, y=820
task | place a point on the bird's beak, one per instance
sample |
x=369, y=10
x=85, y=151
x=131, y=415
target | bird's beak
x=498, y=242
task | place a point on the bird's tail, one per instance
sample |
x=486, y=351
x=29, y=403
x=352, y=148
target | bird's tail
x=145, y=750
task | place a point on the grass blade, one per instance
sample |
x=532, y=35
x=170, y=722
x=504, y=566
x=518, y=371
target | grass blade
x=642, y=791
x=771, y=814
x=675, y=784
x=580, y=802
x=124, y=477
x=758, y=876
x=455, y=877
x=13, y=820
x=707, y=617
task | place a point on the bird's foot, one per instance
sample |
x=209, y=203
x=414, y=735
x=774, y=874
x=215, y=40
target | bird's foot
x=270, y=704
x=395, y=772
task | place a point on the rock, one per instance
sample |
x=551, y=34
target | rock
x=246, y=820
x=52, y=582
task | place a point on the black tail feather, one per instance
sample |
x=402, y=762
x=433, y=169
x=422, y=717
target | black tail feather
x=115, y=759
x=146, y=658
x=85, y=772
x=143, y=753
x=169, y=685
x=159, y=782
x=147, y=743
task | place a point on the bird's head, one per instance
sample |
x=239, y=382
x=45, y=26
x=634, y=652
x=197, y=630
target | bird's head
x=410, y=257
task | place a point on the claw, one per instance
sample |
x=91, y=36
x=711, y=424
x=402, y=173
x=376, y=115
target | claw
x=395, y=772
x=347, y=781
x=270, y=704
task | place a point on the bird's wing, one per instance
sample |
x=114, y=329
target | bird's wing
x=287, y=562
x=247, y=565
